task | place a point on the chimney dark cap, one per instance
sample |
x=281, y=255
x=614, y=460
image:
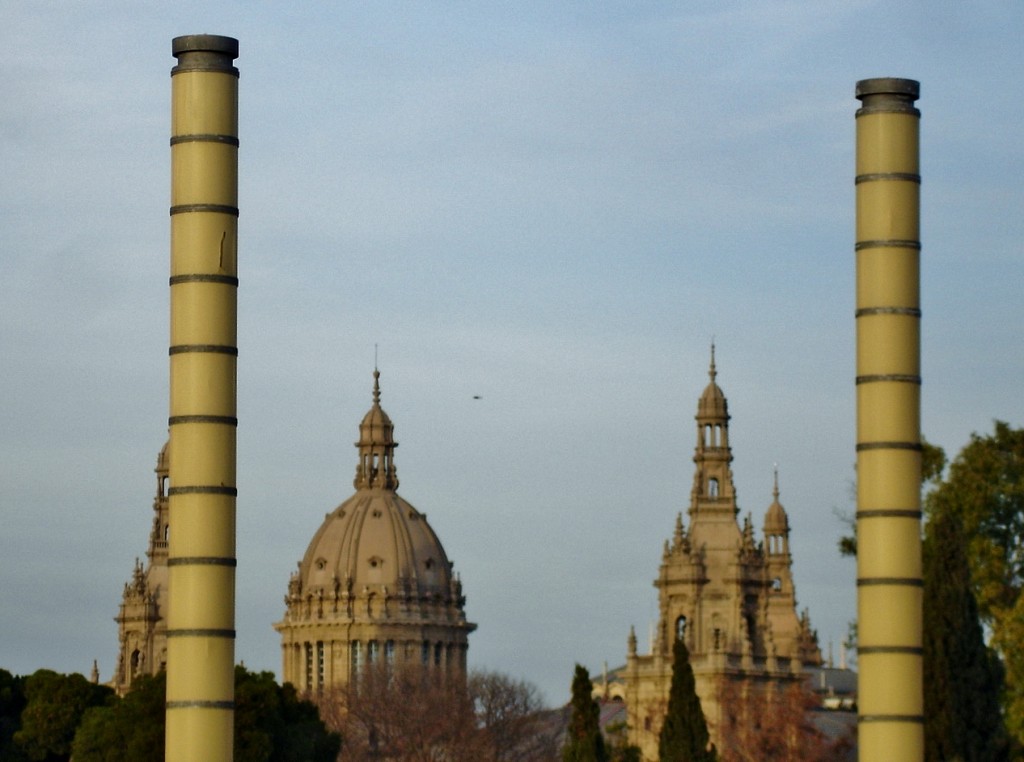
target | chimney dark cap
x=889, y=86
x=206, y=43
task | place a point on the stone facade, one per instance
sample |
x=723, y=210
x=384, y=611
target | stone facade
x=141, y=624
x=375, y=585
x=731, y=596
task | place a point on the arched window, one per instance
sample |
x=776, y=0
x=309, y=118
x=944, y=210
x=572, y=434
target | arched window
x=712, y=487
x=372, y=649
x=680, y=628
x=357, y=657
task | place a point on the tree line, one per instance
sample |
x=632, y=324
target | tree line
x=409, y=714
x=403, y=715
x=50, y=717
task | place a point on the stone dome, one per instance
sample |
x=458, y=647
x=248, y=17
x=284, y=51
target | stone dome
x=375, y=582
x=712, y=402
x=775, y=519
x=376, y=542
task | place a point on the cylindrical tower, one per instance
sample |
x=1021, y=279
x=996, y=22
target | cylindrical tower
x=889, y=585
x=203, y=355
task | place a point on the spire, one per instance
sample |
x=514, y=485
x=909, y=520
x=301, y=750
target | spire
x=158, y=535
x=376, y=467
x=748, y=549
x=748, y=531
x=713, y=486
x=679, y=536
x=776, y=523
x=712, y=406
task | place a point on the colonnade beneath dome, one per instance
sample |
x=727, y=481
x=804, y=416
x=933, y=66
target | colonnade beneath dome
x=314, y=665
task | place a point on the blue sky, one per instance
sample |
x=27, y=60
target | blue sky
x=552, y=206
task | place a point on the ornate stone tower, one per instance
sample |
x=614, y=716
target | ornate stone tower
x=791, y=634
x=730, y=596
x=375, y=585
x=142, y=629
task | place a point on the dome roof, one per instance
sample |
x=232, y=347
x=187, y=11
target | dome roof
x=376, y=544
x=376, y=427
x=712, y=403
x=775, y=519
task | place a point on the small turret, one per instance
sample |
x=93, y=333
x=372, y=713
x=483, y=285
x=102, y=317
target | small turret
x=776, y=524
x=376, y=467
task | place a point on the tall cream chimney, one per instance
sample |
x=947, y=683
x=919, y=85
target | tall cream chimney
x=889, y=585
x=203, y=422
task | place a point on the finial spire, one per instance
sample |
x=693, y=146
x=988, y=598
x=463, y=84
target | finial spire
x=712, y=372
x=775, y=491
x=376, y=445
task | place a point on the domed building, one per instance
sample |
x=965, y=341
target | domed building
x=730, y=596
x=375, y=585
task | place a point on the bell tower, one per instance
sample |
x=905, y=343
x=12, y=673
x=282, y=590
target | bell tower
x=729, y=596
x=713, y=490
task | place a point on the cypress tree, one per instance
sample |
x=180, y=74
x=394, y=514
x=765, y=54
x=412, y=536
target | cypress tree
x=584, y=742
x=684, y=735
x=962, y=677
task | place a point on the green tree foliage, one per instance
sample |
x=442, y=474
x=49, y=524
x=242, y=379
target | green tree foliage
x=129, y=729
x=12, y=703
x=584, y=742
x=617, y=741
x=53, y=709
x=962, y=677
x=271, y=724
x=985, y=490
x=684, y=734
x=627, y=753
